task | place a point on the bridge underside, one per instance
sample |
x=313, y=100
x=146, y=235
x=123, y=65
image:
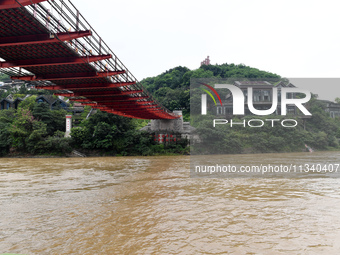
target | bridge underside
x=52, y=46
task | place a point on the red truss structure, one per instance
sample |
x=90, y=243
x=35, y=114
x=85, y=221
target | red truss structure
x=51, y=45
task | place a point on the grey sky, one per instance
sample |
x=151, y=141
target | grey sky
x=293, y=38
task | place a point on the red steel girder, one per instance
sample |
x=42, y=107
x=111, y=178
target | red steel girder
x=103, y=94
x=118, y=98
x=137, y=110
x=89, y=104
x=10, y=4
x=124, y=108
x=112, y=100
x=120, y=93
x=81, y=100
x=134, y=106
x=124, y=98
x=86, y=86
x=64, y=94
x=67, y=76
x=98, y=93
x=111, y=104
x=42, y=38
x=133, y=103
x=101, y=107
x=53, y=61
x=129, y=92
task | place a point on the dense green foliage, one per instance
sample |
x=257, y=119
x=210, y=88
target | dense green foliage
x=172, y=88
x=6, y=119
x=4, y=78
x=35, y=129
x=114, y=135
x=26, y=131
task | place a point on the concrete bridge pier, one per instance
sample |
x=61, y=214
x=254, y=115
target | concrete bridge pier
x=170, y=130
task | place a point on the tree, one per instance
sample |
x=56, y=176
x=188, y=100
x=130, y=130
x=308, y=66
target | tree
x=35, y=142
x=103, y=136
x=54, y=119
x=28, y=103
x=57, y=143
x=6, y=119
x=21, y=128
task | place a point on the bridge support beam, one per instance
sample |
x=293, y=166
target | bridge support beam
x=42, y=38
x=67, y=76
x=10, y=4
x=53, y=61
x=89, y=86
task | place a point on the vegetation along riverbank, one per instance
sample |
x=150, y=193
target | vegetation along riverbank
x=34, y=128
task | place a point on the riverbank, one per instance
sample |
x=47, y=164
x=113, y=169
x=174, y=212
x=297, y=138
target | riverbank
x=93, y=154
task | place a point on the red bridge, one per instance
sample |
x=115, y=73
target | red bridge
x=50, y=44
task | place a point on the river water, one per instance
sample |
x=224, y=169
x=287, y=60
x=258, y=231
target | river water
x=150, y=205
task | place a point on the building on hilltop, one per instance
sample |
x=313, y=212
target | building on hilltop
x=205, y=61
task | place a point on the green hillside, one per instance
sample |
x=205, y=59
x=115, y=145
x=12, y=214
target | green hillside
x=172, y=88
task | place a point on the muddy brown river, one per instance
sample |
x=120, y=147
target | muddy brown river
x=150, y=205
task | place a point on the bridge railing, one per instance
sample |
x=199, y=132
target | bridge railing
x=60, y=17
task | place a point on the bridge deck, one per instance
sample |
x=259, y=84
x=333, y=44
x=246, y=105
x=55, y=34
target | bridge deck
x=50, y=44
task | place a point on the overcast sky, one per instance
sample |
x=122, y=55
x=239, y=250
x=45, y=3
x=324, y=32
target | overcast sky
x=292, y=38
